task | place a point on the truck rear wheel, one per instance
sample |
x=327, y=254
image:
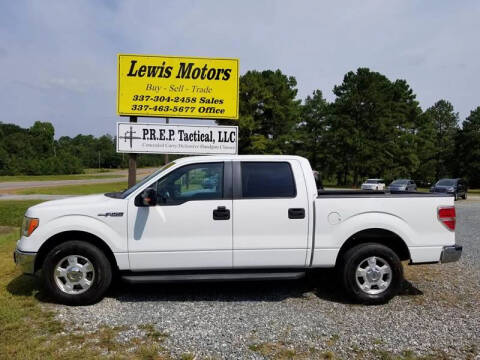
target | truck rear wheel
x=76, y=273
x=371, y=273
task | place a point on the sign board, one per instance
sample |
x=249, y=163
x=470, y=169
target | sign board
x=183, y=87
x=176, y=139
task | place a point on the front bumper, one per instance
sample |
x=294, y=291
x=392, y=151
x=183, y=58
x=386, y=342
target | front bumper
x=450, y=253
x=25, y=260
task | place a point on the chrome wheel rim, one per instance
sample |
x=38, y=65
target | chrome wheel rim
x=74, y=274
x=373, y=275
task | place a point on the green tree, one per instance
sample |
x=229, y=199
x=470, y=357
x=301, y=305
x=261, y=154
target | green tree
x=43, y=137
x=425, y=174
x=371, y=132
x=268, y=112
x=312, y=131
x=444, y=121
x=467, y=154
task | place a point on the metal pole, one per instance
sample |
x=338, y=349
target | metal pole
x=132, y=163
x=167, y=121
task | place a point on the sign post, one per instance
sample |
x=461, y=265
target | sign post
x=132, y=162
x=167, y=121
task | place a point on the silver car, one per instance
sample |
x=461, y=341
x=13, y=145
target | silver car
x=403, y=185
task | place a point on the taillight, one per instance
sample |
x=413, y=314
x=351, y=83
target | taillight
x=447, y=216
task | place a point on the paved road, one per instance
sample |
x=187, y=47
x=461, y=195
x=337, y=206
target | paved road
x=10, y=186
x=33, y=197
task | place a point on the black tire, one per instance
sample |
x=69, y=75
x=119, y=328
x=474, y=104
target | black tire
x=100, y=280
x=455, y=197
x=356, y=256
x=464, y=196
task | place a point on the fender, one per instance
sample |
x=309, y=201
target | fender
x=114, y=233
x=329, y=238
x=376, y=220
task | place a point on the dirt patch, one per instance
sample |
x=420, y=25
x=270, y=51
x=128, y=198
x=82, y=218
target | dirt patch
x=6, y=230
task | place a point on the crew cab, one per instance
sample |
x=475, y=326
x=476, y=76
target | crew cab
x=234, y=218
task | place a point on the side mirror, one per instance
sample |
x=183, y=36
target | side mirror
x=147, y=198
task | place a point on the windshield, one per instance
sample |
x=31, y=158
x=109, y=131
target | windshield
x=446, y=182
x=400, y=182
x=146, y=179
x=372, y=181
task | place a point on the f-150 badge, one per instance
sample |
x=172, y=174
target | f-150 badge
x=112, y=214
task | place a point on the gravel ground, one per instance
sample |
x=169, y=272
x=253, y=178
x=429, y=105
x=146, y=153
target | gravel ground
x=437, y=313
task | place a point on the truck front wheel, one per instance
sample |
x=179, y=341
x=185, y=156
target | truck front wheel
x=371, y=273
x=76, y=273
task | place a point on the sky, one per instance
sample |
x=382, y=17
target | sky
x=58, y=59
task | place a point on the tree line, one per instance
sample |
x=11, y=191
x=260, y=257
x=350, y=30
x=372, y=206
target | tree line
x=375, y=127
x=35, y=151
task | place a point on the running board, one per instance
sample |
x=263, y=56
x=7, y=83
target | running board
x=171, y=278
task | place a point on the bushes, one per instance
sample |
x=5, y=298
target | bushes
x=34, y=151
x=63, y=164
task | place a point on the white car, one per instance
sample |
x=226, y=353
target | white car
x=261, y=218
x=373, y=184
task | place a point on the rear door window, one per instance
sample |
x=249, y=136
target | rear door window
x=267, y=180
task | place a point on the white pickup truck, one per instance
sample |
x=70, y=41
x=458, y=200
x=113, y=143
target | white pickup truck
x=234, y=218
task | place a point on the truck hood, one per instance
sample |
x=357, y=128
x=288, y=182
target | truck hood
x=87, y=205
x=72, y=201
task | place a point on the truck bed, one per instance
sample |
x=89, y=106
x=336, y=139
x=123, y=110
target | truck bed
x=412, y=216
x=379, y=193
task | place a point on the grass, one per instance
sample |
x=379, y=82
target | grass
x=18, y=178
x=97, y=170
x=282, y=351
x=409, y=355
x=11, y=212
x=151, y=332
x=28, y=331
x=76, y=189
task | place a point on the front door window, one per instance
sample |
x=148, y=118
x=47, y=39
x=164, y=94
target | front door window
x=202, y=181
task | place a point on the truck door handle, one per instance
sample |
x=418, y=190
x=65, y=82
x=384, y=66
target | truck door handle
x=296, y=213
x=221, y=213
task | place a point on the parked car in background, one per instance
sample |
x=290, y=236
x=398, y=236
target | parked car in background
x=403, y=185
x=456, y=187
x=318, y=179
x=373, y=184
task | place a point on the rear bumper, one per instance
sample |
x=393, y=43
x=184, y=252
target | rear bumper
x=25, y=260
x=451, y=253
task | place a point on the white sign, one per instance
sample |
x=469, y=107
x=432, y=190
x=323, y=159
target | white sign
x=176, y=139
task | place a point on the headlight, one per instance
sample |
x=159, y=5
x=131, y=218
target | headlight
x=29, y=225
x=451, y=188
